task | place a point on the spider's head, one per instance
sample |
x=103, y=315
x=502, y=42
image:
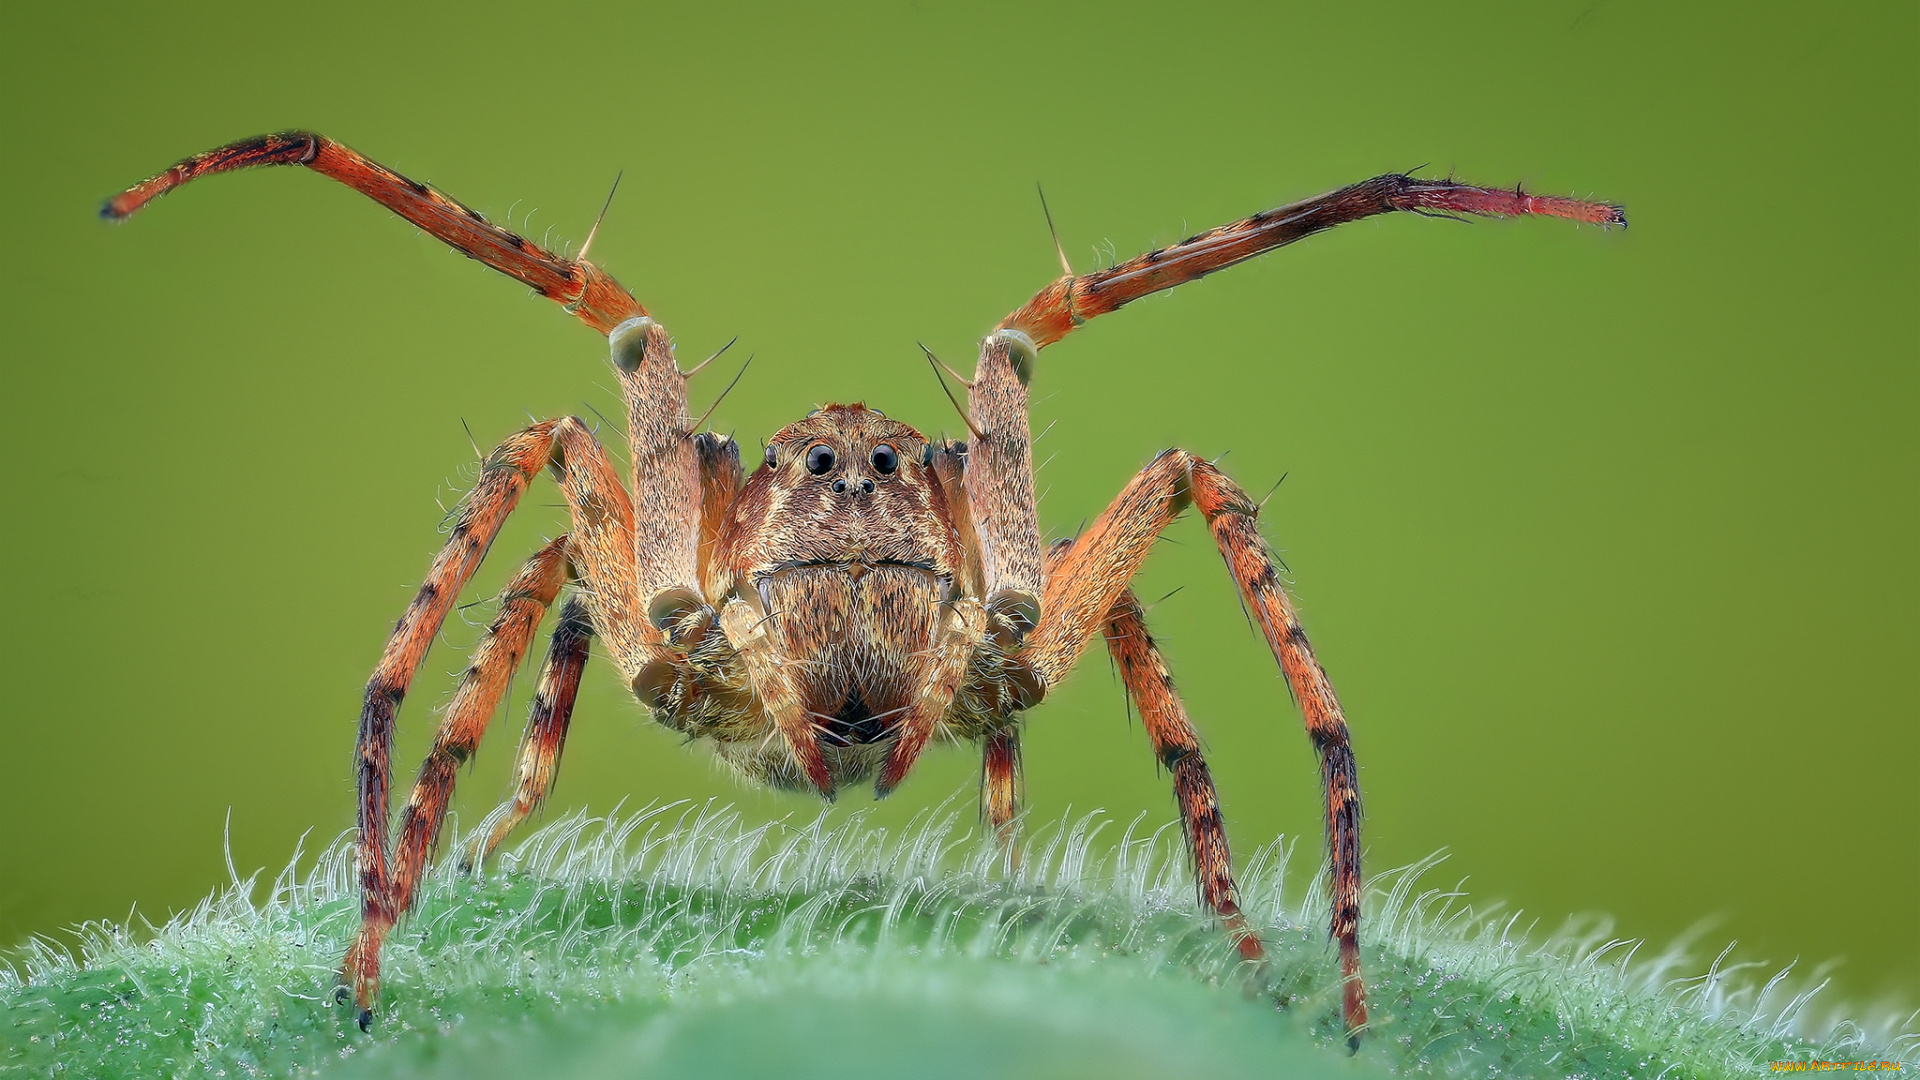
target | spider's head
x=843, y=485
x=847, y=450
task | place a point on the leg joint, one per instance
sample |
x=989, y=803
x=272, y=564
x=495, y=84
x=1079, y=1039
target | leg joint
x=1172, y=754
x=1179, y=463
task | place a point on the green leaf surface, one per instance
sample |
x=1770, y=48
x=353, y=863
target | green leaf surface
x=678, y=942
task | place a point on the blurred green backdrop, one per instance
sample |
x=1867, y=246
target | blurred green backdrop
x=1606, y=538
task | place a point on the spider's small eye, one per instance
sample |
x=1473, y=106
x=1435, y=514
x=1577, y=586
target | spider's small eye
x=819, y=458
x=885, y=460
x=772, y=457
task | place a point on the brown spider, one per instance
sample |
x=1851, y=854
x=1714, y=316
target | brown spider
x=819, y=621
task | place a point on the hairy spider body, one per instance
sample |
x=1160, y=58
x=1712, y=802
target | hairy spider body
x=865, y=590
x=846, y=523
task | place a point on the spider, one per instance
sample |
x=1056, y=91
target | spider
x=866, y=588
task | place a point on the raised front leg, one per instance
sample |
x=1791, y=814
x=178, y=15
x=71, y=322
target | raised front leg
x=585, y=290
x=998, y=475
x=664, y=553
x=1093, y=576
x=657, y=565
x=1058, y=309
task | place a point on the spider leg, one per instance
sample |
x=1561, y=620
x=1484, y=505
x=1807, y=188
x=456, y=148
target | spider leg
x=1177, y=745
x=1058, y=309
x=1000, y=786
x=998, y=477
x=522, y=604
x=1002, y=789
x=546, y=731
x=1143, y=670
x=998, y=482
x=640, y=583
x=600, y=547
x=664, y=551
x=1094, y=574
x=666, y=491
x=667, y=473
x=585, y=290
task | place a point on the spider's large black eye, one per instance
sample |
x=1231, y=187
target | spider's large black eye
x=885, y=460
x=819, y=458
x=772, y=456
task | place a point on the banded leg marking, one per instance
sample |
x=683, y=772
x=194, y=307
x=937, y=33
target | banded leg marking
x=522, y=604
x=599, y=546
x=1058, y=309
x=503, y=479
x=1143, y=670
x=1095, y=572
x=583, y=289
x=546, y=733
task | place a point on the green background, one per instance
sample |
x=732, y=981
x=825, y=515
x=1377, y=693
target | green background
x=1606, y=538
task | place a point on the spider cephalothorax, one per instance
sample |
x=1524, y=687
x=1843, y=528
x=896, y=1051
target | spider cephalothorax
x=819, y=622
x=847, y=522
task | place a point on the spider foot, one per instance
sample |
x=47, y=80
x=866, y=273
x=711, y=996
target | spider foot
x=343, y=995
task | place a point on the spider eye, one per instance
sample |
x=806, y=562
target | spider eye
x=819, y=459
x=772, y=457
x=885, y=460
